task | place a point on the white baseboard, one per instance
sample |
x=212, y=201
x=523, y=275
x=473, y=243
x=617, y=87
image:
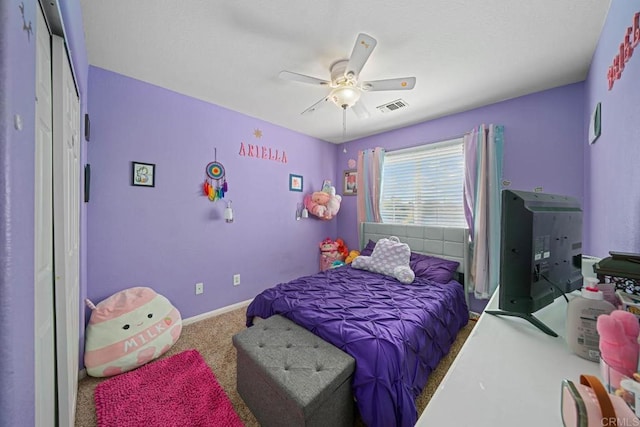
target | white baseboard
x=216, y=312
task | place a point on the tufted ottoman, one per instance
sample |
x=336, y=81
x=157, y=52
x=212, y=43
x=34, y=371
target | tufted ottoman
x=288, y=376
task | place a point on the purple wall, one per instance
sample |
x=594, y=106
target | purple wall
x=543, y=144
x=171, y=236
x=612, y=170
x=17, y=92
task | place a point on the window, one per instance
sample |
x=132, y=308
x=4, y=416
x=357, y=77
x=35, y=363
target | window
x=423, y=185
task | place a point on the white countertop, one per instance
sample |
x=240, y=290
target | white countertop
x=508, y=373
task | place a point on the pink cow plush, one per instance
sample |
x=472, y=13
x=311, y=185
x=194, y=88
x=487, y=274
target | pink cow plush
x=129, y=329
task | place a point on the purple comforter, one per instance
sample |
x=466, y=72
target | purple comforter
x=396, y=333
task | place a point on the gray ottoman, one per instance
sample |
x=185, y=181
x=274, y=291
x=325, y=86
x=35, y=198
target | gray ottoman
x=288, y=376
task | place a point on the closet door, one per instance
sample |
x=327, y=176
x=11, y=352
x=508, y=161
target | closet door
x=66, y=221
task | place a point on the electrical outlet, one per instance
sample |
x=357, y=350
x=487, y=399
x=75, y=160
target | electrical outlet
x=236, y=279
x=199, y=288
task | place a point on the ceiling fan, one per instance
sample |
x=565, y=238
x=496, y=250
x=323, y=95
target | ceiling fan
x=346, y=89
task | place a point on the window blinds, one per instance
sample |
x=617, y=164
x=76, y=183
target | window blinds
x=424, y=185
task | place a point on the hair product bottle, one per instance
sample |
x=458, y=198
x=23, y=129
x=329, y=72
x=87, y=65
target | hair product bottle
x=582, y=315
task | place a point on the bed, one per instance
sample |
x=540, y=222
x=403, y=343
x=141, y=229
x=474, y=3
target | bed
x=397, y=333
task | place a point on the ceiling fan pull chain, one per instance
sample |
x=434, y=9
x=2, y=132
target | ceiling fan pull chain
x=344, y=123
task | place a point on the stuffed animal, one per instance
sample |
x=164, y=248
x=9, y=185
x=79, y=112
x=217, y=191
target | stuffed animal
x=129, y=329
x=329, y=248
x=333, y=205
x=316, y=204
x=342, y=248
x=352, y=255
x=320, y=197
x=328, y=254
x=337, y=263
x=313, y=207
x=618, y=344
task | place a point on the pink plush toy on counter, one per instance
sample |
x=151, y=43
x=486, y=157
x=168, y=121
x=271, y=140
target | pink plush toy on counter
x=619, y=348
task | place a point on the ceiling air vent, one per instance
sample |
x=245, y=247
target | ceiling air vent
x=392, y=106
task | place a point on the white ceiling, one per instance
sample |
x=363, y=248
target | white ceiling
x=464, y=53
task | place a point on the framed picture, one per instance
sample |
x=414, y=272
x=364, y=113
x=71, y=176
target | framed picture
x=595, y=128
x=349, y=185
x=143, y=174
x=295, y=182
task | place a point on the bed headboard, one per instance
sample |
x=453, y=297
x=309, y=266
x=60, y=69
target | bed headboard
x=444, y=242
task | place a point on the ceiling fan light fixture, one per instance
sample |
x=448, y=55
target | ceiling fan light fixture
x=345, y=96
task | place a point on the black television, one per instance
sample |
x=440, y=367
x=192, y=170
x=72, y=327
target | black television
x=540, y=252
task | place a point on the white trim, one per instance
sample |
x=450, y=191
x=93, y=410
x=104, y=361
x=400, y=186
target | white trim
x=53, y=17
x=217, y=312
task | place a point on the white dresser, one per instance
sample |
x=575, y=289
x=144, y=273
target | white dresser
x=508, y=373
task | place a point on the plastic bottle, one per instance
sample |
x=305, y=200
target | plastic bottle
x=608, y=290
x=582, y=314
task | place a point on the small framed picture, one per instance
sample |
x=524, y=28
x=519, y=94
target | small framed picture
x=350, y=186
x=295, y=182
x=143, y=174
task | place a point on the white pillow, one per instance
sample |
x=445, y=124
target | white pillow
x=129, y=329
x=389, y=257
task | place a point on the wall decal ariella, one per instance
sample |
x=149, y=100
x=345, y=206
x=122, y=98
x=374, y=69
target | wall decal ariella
x=629, y=43
x=263, y=152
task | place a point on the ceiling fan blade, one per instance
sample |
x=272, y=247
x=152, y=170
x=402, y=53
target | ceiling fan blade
x=404, y=83
x=288, y=75
x=361, y=51
x=315, y=106
x=360, y=110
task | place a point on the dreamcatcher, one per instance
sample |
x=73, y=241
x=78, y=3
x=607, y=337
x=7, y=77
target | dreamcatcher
x=215, y=183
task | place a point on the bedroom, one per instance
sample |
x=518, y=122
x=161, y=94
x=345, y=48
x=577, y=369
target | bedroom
x=167, y=226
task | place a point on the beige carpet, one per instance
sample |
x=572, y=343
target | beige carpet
x=212, y=338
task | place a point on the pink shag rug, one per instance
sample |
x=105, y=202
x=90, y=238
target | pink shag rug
x=180, y=390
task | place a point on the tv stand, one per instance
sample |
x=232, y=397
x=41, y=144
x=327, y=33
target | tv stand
x=528, y=317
